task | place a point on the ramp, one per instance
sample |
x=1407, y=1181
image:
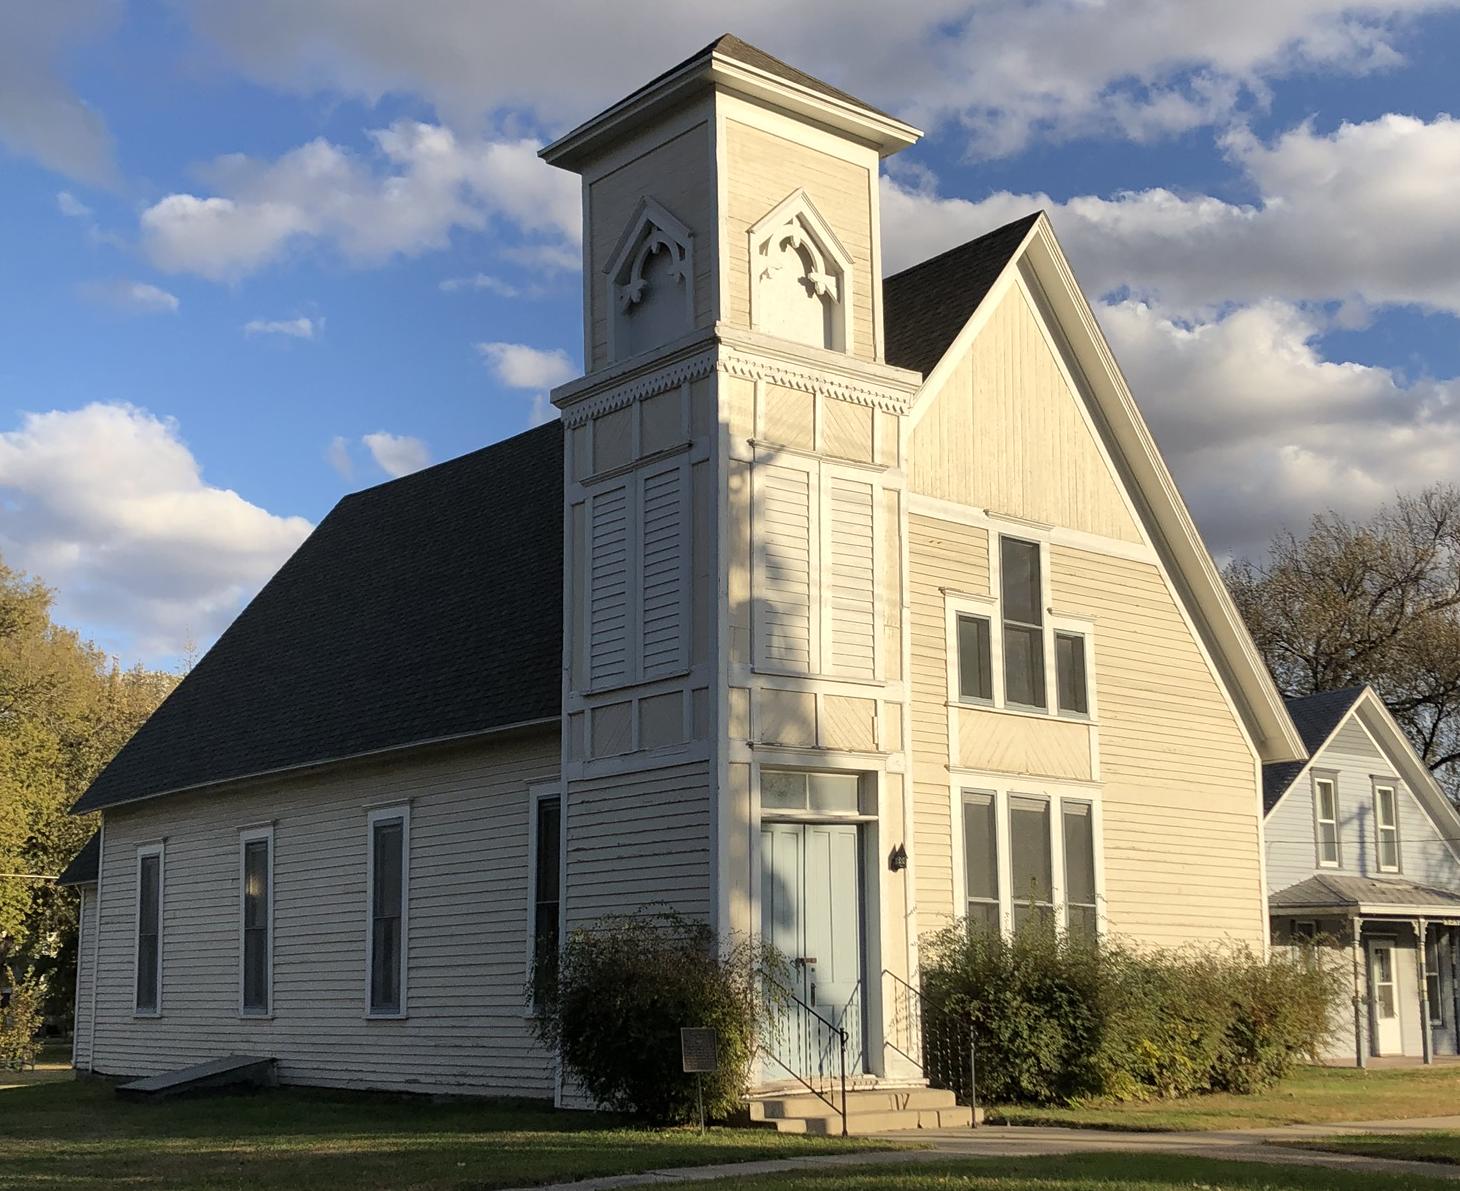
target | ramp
x=229, y=1071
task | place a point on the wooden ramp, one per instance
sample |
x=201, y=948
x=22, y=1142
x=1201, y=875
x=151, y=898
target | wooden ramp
x=229, y=1071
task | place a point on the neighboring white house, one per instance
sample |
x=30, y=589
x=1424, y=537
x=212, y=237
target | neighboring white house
x=831, y=609
x=1363, y=851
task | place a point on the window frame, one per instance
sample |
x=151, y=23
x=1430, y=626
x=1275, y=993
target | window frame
x=988, y=799
x=1378, y=784
x=1434, y=977
x=959, y=616
x=1041, y=628
x=536, y=796
x=246, y=836
x=388, y=814
x=1002, y=788
x=1330, y=778
x=144, y=851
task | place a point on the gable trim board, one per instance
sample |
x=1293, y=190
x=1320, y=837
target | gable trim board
x=1040, y=265
x=1369, y=712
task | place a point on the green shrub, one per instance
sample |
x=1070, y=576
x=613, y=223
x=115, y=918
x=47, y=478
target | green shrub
x=622, y=992
x=1058, y=1019
x=20, y=1021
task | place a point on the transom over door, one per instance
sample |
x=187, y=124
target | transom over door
x=811, y=913
x=1384, y=998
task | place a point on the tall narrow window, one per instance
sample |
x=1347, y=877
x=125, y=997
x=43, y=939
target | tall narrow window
x=389, y=876
x=1437, y=978
x=1386, y=817
x=981, y=861
x=975, y=667
x=1069, y=658
x=1325, y=811
x=258, y=896
x=547, y=829
x=149, y=931
x=1079, y=831
x=1023, y=623
x=1030, y=864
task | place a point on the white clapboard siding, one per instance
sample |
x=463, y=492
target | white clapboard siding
x=665, y=556
x=783, y=593
x=467, y=941
x=608, y=594
x=85, y=978
x=850, y=577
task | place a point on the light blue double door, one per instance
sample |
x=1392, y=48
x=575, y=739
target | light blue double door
x=811, y=912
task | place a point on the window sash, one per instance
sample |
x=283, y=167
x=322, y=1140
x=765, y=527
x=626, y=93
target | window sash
x=1325, y=803
x=387, y=915
x=1077, y=822
x=1072, y=692
x=148, y=991
x=1436, y=957
x=975, y=661
x=257, y=898
x=1031, y=864
x=1022, y=608
x=547, y=857
x=981, y=855
x=1386, y=818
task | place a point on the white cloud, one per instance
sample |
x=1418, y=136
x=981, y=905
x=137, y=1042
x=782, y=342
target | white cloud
x=131, y=297
x=1006, y=71
x=419, y=183
x=521, y=367
x=338, y=455
x=397, y=454
x=41, y=117
x=480, y=281
x=107, y=504
x=1363, y=212
x=290, y=328
x=70, y=206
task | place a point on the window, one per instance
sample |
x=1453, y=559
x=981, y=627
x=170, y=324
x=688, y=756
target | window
x=547, y=829
x=981, y=860
x=1023, y=623
x=389, y=898
x=1325, y=811
x=149, y=930
x=1437, y=981
x=819, y=793
x=1069, y=660
x=1386, y=819
x=257, y=896
x=1079, y=838
x=975, y=665
x=1030, y=864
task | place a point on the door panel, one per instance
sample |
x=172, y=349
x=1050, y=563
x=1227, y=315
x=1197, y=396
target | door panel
x=1384, y=998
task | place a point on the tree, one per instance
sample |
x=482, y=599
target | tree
x=65, y=710
x=1372, y=601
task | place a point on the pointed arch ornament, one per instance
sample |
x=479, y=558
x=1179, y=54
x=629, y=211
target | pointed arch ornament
x=650, y=282
x=800, y=276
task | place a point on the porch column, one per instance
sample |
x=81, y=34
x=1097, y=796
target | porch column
x=1360, y=1051
x=1421, y=928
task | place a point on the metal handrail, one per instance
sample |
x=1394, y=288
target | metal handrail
x=934, y=1057
x=841, y=1036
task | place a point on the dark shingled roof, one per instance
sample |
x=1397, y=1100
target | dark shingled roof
x=925, y=307
x=85, y=865
x=422, y=609
x=1316, y=717
x=1327, y=890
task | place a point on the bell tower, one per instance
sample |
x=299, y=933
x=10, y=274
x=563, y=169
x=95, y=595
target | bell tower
x=733, y=666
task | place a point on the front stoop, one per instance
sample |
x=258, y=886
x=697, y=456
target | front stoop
x=880, y=1110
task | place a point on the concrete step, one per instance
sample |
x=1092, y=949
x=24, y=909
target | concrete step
x=770, y=1108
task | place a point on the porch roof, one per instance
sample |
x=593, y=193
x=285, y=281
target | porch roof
x=1365, y=897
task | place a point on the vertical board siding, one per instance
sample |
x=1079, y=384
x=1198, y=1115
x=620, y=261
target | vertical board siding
x=940, y=554
x=665, y=555
x=1180, y=801
x=639, y=840
x=783, y=593
x=850, y=582
x=608, y=593
x=1006, y=433
x=85, y=978
x=467, y=927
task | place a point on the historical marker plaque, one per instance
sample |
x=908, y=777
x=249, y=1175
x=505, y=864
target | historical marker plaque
x=699, y=1048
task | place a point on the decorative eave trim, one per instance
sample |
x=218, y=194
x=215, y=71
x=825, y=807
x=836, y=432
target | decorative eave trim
x=658, y=377
x=807, y=380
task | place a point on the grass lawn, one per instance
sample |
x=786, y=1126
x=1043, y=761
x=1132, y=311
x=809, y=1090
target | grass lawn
x=1312, y=1095
x=1415, y=1147
x=1078, y=1172
x=53, y=1064
x=79, y=1135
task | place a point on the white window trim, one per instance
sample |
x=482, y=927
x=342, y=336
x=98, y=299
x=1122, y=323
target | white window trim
x=536, y=795
x=1331, y=779
x=798, y=206
x=1062, y=624
x=1002, y=786
x=246, y=836
x=387, y=815
x=143, y=850
x=649, y=213
x=1379, y=829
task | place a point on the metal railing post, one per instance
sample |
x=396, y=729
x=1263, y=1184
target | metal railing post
x=972, y=1082
x=843, y=1035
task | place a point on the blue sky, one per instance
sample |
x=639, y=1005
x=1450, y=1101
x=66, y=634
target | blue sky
x=257, y=256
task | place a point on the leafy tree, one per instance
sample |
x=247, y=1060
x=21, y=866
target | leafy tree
x=1372, y=601
x=65, y=710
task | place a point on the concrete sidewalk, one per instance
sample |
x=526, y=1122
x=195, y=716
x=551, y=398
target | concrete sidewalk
x=1029, y=1141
